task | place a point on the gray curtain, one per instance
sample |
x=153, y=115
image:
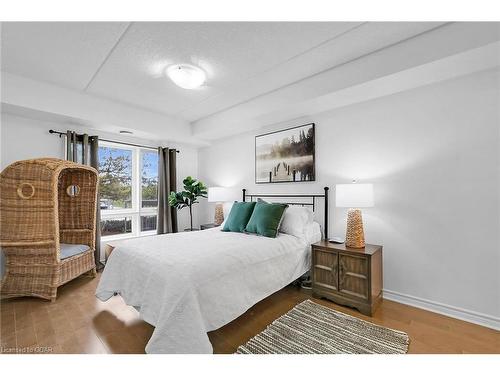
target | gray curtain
x=83, y=149
x=167, y=176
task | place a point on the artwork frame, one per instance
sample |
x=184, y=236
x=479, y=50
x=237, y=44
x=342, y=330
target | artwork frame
x=280, y=158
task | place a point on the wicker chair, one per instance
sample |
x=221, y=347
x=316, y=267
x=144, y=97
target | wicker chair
x=45, y=203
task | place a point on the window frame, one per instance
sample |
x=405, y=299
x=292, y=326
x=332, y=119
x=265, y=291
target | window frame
x=136, y=211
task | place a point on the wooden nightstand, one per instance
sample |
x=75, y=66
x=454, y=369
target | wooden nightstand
x=348, y=276
x=208, y=226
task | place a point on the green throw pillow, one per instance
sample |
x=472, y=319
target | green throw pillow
x=238, y=217
x=266, y=219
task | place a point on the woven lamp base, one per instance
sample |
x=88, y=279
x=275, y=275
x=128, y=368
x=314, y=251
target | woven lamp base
x=219, y=214
x=354, y=237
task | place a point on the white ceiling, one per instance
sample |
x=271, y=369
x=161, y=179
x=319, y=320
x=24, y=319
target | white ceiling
x=252, y=67
x=125, y=61
x=230, y=53
x=64, y=53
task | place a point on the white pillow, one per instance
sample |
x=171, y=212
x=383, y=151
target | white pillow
x=313, y=232
x=226, y=208
x=295, y=221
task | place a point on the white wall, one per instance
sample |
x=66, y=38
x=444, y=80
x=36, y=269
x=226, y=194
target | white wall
x=103, y=114
x=433, y=156
x=26, y=138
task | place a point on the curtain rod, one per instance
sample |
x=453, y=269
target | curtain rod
x=109, y=140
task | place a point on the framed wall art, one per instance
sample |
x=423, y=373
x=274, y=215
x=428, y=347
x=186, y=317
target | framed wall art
x=285, y=155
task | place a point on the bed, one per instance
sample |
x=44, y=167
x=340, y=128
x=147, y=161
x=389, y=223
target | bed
x=188, y=284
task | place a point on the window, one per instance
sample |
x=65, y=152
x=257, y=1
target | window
x=112, y=226
x=115, y=178
x=128, y=187
x=149, y=179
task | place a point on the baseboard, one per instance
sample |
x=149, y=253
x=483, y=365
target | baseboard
x=441, y=308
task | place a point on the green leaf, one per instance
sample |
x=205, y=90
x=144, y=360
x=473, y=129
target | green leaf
x=193, y=189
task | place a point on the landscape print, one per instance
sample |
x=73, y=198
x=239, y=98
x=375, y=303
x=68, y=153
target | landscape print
x=285, y=156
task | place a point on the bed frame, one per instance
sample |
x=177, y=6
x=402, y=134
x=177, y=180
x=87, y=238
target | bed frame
x=310, y=201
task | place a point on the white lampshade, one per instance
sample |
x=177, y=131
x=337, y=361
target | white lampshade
x=354, y=195
x=222, y=194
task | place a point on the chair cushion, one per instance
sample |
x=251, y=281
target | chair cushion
x=69, y=250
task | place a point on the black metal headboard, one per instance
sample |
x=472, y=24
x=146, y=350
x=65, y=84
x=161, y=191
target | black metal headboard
x=311, y=202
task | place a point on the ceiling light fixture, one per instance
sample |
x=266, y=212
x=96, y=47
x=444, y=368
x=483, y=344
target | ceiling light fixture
x=126, y=132
x=186, y=76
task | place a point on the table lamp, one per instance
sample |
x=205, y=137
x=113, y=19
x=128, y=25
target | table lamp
x=354, y=196
x=219, y=195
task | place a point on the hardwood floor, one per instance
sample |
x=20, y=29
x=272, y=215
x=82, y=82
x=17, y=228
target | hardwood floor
x=79, y=323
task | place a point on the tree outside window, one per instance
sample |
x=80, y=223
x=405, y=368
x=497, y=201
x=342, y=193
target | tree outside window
x=128, y=188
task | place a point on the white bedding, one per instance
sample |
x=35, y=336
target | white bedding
x=187, y=284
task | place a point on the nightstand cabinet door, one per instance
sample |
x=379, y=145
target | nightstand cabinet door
x=325, y=269
x=347, y=276
x=353, y=276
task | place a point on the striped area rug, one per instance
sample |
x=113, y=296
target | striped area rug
x=310, y=328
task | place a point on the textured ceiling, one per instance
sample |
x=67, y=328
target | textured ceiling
x=125, y=62
x=111, y=75
x=229, y=52
x=359, y=41
x=64, y=53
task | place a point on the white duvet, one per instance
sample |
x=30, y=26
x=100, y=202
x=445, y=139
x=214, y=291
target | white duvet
x=187, y=284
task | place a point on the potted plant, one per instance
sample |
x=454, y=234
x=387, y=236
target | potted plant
x=193, y=189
